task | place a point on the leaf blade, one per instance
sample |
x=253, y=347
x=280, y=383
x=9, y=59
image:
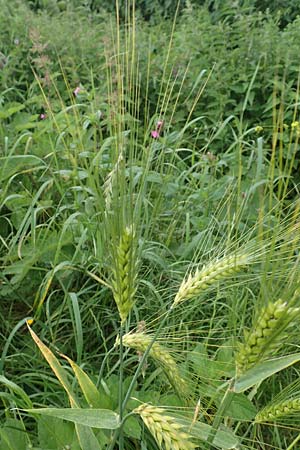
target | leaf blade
x=264, y=370
x=87, y=417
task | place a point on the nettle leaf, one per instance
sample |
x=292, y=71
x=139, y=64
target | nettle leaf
x=132, y=428
x=93, y=418
x=264, y=370
x=206, y=367
x=241, y=408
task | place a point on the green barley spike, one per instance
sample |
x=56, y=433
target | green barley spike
x=265, y=336
x=279, y=410
x=168, y=433
x=140, y=341
x=216, y=271
x=125, y=273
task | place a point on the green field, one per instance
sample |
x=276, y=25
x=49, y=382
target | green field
x=149, y=225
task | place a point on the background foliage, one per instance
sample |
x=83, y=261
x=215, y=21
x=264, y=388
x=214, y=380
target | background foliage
x=226, y=159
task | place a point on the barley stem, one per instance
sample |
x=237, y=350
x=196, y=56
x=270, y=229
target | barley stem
x=121, y=353
x=136, y=374
x=225, y=403
x=295, y=441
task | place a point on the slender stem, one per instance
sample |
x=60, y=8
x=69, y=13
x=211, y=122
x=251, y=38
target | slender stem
x=294, y=443
x=135, y=377
x=226, y=401
x=121, y=435
x=100, y=376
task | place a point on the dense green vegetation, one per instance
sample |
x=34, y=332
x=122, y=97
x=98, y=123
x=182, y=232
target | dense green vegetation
x=149, y=225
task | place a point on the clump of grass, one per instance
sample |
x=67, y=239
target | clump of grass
x=125, y=273
x=194, y=284
x=140, y=341
x=266, y=334
x=168, y=433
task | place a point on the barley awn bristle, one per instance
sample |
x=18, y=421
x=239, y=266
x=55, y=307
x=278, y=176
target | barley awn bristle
x=266, y=334
x=168, y=433
x=125, y=273
x=140, y=341
x=208, y=275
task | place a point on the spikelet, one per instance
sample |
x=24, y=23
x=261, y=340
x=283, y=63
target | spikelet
x=140, y=341
x=168, y=433
x=281, y=409
x=110, y=182
x=125, y=273
x=266, y=334
x=210, y=274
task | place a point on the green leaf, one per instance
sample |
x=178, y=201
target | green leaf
x=85, y=435
x=132, y=428
x=11, y=109
x=91, y=393
x=54, y=433
x=224, y=438
x=13, y=164
x=13, y=435
x=17, y=390
x=94, y=418
x=241, y=408
x=264, y=370
x=59, y=371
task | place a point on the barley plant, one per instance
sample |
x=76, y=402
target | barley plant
x=149, y=226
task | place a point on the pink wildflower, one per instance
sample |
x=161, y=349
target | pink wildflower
x=43, y=116
x=155, y=134
x=159, y=124
x=76, y=91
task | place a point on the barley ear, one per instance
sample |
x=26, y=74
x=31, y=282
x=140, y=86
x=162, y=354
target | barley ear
x=278, y=410
x=168, y=433
x=140, y=341
x=124, y=272
x=266, y=335
x=202, y=279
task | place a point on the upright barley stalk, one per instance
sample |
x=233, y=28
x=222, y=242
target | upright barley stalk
x=141, y=341
x=168, y=433
x=125, y=273
x=209, y=275
x=266, y=334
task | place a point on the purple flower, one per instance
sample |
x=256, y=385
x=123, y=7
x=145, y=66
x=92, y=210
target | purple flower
x=43, y=116
x=76, y=91
x=155, y=134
